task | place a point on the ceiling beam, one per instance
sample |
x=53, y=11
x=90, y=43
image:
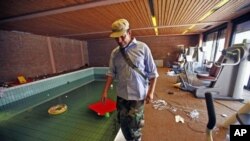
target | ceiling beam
x=165, y=35
x=61, y=10
x=166, y=26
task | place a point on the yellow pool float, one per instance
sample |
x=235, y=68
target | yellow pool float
x=57, y=109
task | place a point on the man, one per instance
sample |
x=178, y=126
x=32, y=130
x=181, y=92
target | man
x=132, y=85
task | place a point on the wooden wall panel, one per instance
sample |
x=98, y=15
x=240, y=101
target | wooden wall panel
x=67, y=54
x=28, y=54
x=162, y=47
x=165, y=47
x=99, y=51
x=23, y=53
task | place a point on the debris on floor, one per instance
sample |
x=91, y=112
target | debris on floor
x=178, y=118
x=171, y=73
x=160, y=104
x=170, y=92
x=177, y=85
x=173, y=109
x=224, y=115
x=194, y=114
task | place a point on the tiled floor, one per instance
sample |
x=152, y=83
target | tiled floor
x=78, y=123
x=160, y=125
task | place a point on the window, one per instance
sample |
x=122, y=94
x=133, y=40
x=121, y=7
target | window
x=214, y=43
x=242, y=31
x=220, y=44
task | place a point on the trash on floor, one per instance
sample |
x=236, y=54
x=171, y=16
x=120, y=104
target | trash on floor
x=173, y=109
x=224, y=115
x=178, y=118
x=177, y=85
x=159, y=104
x=21, y=79
x=194, y=114
x=170, y=92
x=171, y=73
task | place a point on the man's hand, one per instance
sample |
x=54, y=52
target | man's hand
x=104, y=97
x=149, y=98
x=106, y=88
x=150, y=93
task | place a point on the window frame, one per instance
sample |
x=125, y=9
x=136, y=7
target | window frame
x=218, y=32
x=235, y=23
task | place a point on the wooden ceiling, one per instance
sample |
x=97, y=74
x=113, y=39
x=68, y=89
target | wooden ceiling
x=92, y=19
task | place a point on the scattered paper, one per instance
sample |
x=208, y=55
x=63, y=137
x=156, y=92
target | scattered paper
x=177, y=85
x=178, y=118
x=159, y=104
x=173, y=109
x=224, y=115
x=171, y=73
x=194, y=114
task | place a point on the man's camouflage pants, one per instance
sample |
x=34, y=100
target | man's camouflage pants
x=130, y=116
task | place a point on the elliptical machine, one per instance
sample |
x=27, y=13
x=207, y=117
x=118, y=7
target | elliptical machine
x=188, y=80
x=229, y=85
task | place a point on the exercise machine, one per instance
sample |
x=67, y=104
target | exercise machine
x=178, y=64
x=187, y=60
x=190, y=82
x=225, y=77
x=188, y=79
x=247, y=87
x=211, y=116
x=229, y=85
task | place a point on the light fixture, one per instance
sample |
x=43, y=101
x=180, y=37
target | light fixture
x=155, y=25
x=156, y=31
x=185, y=32
x=206, y=15
x=220, y=4
x=192, y=26
x=154, y=21
x=153, y=18
x=216, y=7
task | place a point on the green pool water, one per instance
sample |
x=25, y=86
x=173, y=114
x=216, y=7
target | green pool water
x=78, y=123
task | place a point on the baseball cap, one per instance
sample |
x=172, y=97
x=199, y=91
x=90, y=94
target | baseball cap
x=119, y=28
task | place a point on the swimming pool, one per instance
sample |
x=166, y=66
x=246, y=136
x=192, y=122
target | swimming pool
x=24, y=109
x=17, y=99
x=78, y=123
